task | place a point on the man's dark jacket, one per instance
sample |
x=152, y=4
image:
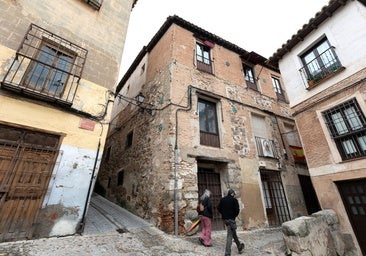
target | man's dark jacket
x=228, y=207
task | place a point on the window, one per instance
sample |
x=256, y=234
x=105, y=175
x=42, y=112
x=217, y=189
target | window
x=249, y=77
x=96, y=4
x=120, y=178
x=278, y=89
x=264, y=144
x=265, y=147
x=347, y=126
x=294, y=143
x=209, y=134
x=108, y=153
x=319, y=62
x=46, y=67
x=275, y=199
x=129, y=139
x=49, y=72
x=203, y=58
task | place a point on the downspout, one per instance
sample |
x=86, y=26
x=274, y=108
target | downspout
x=186, y=109
x=88, y=195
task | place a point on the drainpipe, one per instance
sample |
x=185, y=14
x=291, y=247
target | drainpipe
x=176, y=160
x=82, y=224
x=176, y=189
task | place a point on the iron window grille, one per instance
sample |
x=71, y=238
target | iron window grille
x=46, y=66
x=274, y=198
x=209, y=132
x=96, y=4
x=347, y=126
x=266, y=147
x=249, y=77
x=319, y=62
x=203, y=58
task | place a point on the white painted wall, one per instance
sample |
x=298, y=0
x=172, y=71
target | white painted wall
x=69, y=186
x=345, y=31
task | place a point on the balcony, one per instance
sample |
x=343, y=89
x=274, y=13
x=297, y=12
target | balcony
x=320, y=68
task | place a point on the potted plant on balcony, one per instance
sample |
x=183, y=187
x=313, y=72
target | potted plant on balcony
x=313, y=80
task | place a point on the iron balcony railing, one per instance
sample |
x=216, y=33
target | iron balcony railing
x=321, y=67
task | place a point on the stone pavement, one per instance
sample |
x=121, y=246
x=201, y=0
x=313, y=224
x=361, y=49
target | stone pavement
x=111, y=230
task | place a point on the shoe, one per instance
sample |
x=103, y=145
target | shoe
x=201, y=241
x=241, y=248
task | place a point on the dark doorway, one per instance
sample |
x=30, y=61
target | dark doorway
x=209, y=179
x=311, y=200
x=353, y=193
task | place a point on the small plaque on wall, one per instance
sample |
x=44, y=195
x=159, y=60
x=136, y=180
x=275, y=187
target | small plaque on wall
x=87, y=124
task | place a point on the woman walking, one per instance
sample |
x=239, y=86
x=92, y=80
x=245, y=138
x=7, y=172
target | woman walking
x=206, y=215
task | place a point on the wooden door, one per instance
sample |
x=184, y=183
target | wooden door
x=353, y=195
x=27, y=159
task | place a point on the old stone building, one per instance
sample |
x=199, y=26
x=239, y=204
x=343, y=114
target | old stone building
x=59, y=61
x=195, y=111
x=324, y=72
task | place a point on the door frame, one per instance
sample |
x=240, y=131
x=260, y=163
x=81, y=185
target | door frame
x=358, y=226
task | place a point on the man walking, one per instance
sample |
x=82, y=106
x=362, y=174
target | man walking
x=229, y=209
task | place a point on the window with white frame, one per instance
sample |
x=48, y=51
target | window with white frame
x=347, y=125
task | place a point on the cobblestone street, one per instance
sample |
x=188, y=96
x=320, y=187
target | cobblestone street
x=137, y=237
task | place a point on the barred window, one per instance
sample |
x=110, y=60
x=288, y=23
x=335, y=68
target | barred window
x=96, y=4
x=46, y=67
x=347, y=126
x=50, y=72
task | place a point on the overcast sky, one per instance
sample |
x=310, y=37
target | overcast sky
x=261, y=26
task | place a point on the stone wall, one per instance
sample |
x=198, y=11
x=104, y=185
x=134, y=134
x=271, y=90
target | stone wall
x=317, y=234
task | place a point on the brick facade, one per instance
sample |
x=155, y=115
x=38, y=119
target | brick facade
x=160, y=169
